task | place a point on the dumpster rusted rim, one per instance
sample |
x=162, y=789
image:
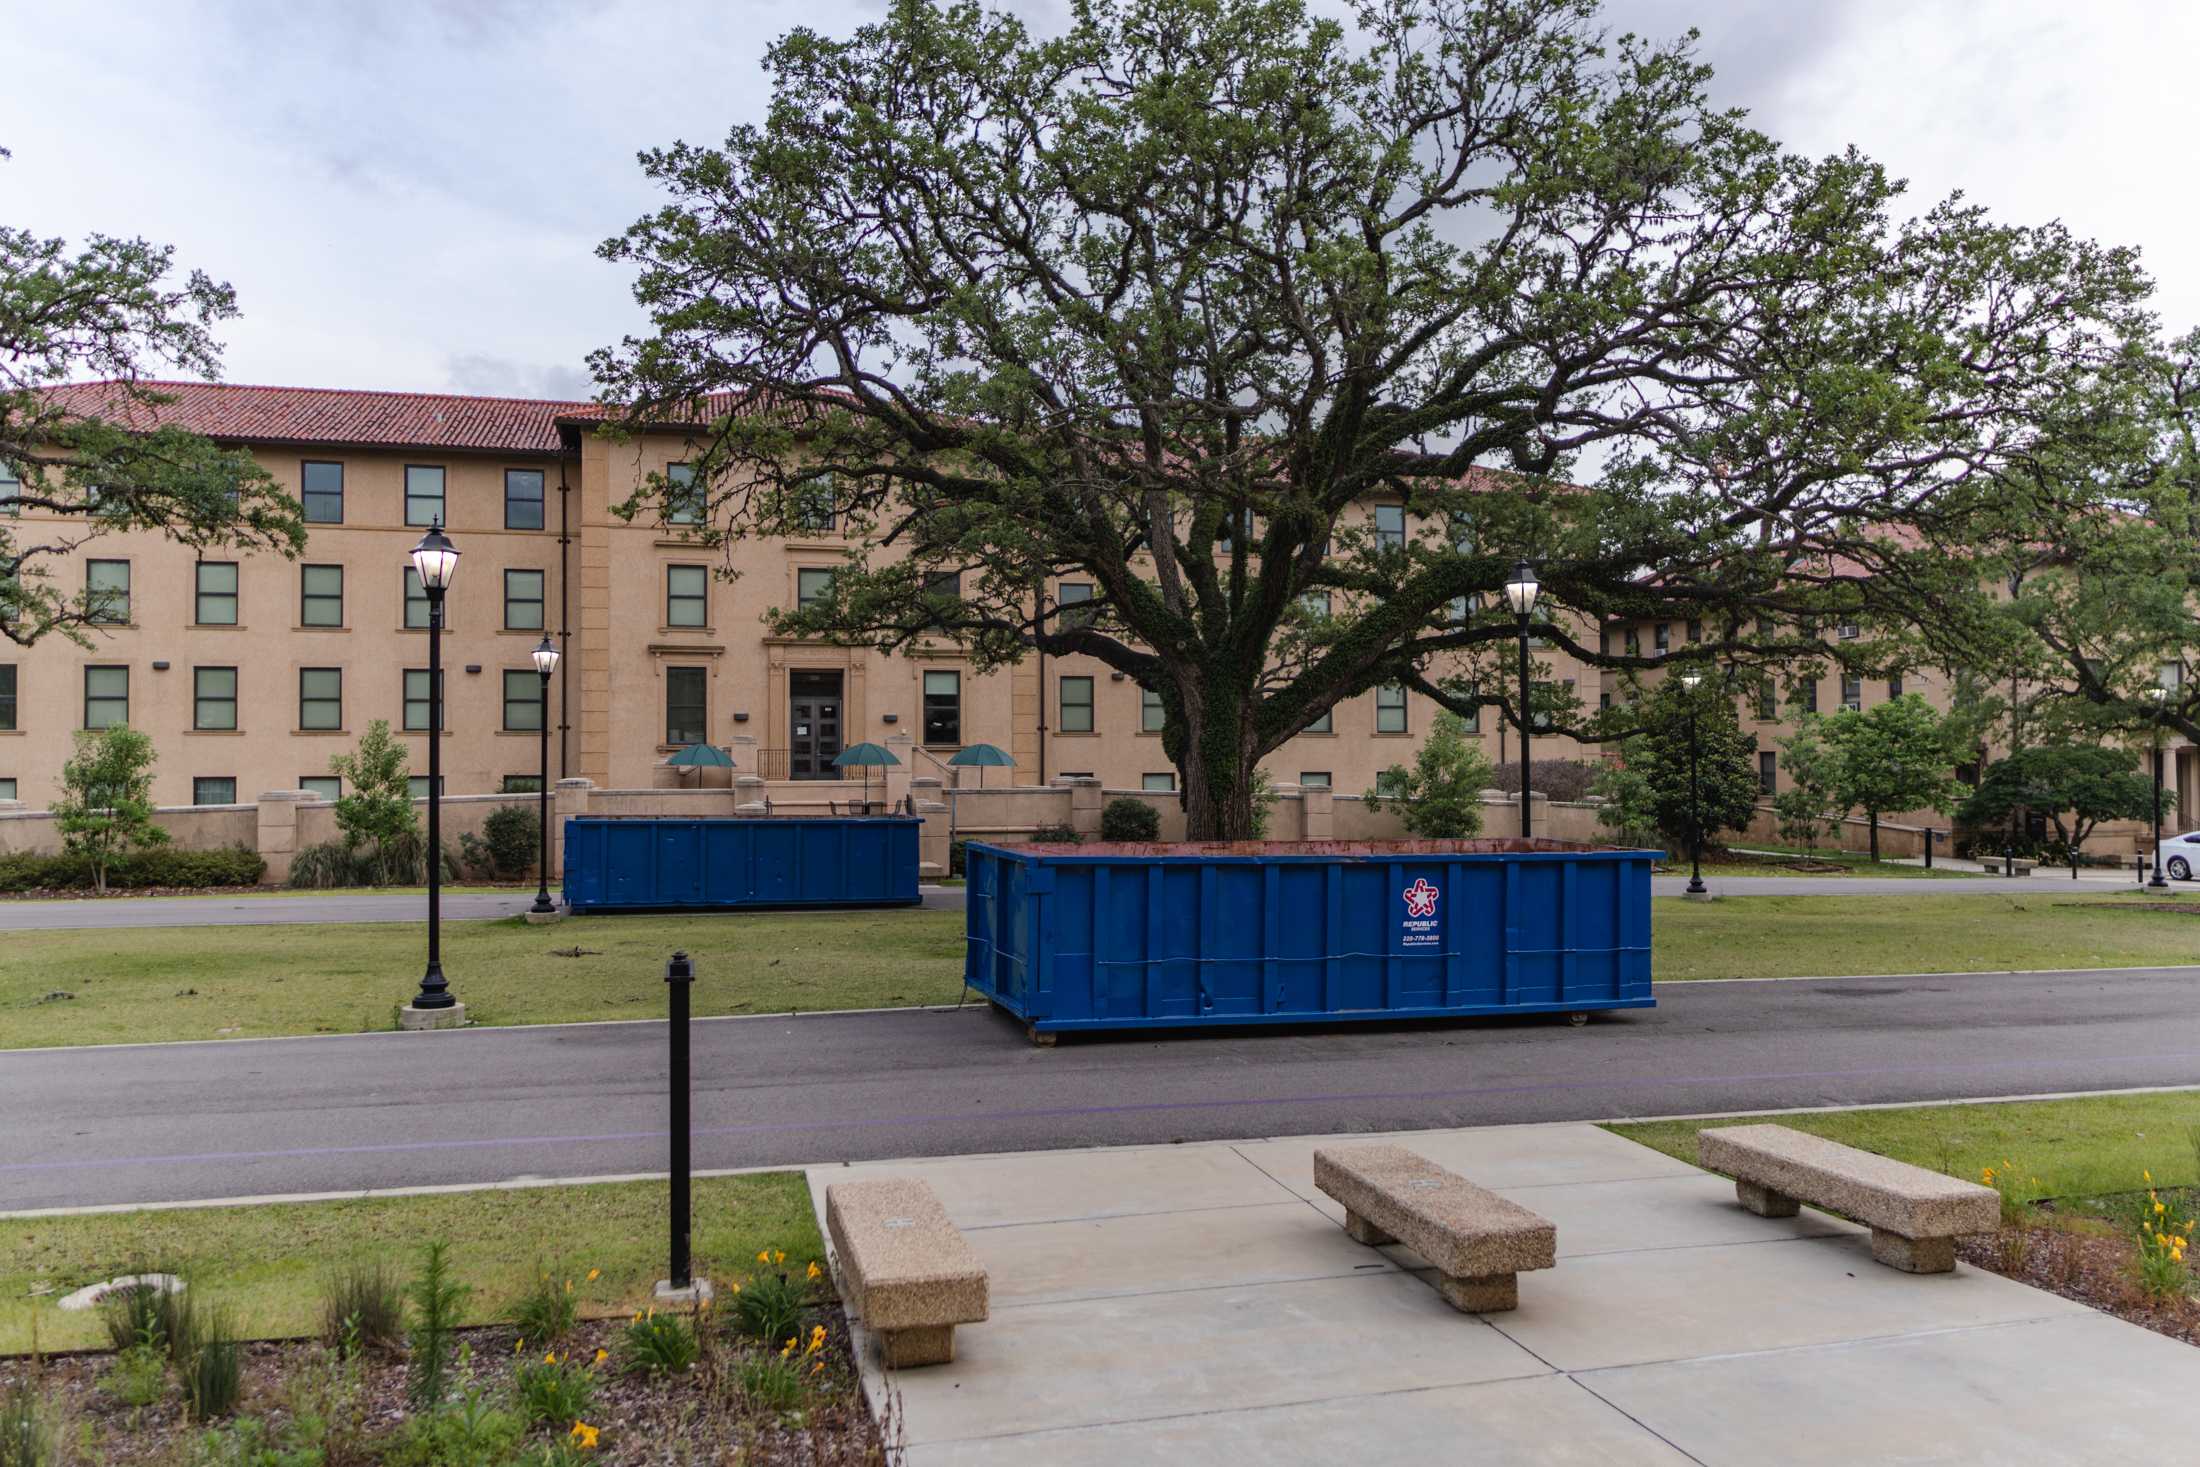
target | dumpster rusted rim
x=1315, y=849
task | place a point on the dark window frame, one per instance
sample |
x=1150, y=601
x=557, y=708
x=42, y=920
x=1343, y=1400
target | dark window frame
x=539, y=500
x=804, y=600
x=1384, y=704
x=442, y=494
x=123, y=697
x=306, y=699
x=98, y=599
x=200, y=698
x=700, y=678
x=307, y=782
x=1768, y=772
x=411, y=579
x=682, y=506
x=199, y=593
x=427, y=699
x=307, y=597
x=539, y=600
x=1153, y=716
x=10, y=696
x=307, y=495
x=941, y=721
x=1091, y=723
x=1385, y=537
x=536, y=700
x=675, y=598
x=205, y=779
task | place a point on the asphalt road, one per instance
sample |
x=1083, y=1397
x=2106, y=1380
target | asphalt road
x=172, y=1122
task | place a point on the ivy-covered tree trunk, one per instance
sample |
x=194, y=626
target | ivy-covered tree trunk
x=1218, y=760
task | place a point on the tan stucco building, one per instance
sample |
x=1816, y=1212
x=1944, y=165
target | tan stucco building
x=249, y=672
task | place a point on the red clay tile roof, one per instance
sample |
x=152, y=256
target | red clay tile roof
x=338, y=416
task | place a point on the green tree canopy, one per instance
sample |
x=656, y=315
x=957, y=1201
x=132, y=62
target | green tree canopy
x=1442, y=789
x=106, y=805
x=2075, y=786
x=1652, y=787
x=92, y=453
x=1894, y=756
x=1165, y=300
x=376, y=807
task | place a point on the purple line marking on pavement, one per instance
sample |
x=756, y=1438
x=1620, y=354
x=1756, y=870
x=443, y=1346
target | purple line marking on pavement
x=891, y=1122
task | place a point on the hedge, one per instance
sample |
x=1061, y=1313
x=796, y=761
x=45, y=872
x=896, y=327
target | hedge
x=229, y=866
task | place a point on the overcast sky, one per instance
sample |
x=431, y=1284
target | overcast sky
x=407, y=195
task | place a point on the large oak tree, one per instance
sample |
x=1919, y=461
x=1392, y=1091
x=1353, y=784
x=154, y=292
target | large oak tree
x=1166, y=299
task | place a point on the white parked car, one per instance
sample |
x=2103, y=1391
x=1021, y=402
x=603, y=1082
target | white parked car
x=2181, y=855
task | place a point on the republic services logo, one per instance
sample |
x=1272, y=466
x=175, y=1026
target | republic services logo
x=1420, y=898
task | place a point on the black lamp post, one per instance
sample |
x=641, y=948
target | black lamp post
x=1696, y=887
x=2157, y=696
x=546, y=662
x=435, y=561
x=1521, y=591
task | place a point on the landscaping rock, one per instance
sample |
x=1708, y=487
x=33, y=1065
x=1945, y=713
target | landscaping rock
x=90, y=1295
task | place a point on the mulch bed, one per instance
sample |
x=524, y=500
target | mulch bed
x=698, y=1417
x=2093, y=1268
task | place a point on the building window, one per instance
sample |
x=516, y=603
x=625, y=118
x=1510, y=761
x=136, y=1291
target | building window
x=321, y=490
x=812, y=586
x=1390, y=527
x=1604, y=700
x=11, y=490
x=216, y=598
x=1152, y=717
x=214, y=698
x=1158, y=783
x=1810, y=695
x=1390, y=709
x=1852, y=693
x=1695, y=631
x=424, y=495
x=683, y=497
x=523, y=499
x=1767, y=704
x=1768, y=773
x=320, y=698
x=106, y=696
x=522, y=700
x=417, y=688
x=520, y=784
x=107, y=590
x=7, y=696
x=1390, y=785
x=943, y=708
x=685, y=705
x=687, y=596
x=1894, y=686
x=523, y=600
x=1326, y=723
x=1075, y=594
x=1661, y=638
x=1632, y=641
x=1077, y=705
x=815, y=501
x=1462, y=610
x=416, y=601
x=1849, y=631
x=321, y=596
x=322, y=786
x=1314, y=605
x=214, y=790
x=417, y=786
x=1314, y=779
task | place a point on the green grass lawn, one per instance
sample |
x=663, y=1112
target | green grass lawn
x=268, y=1263
x=2079, y=1152
x=229, y=982
x=1792, y=936
x=1851, y=864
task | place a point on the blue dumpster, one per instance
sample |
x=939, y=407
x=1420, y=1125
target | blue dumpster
x=635, y=865
x=1134, y=936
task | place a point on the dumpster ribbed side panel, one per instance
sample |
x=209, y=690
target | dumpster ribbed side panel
x=1074, y=941
x=613, y=864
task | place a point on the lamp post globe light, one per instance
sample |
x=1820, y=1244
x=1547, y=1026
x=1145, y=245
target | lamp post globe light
x=435, y=561
x=1521, y=591
x=546, y=662
x=2157, y=696
x=1696, y=888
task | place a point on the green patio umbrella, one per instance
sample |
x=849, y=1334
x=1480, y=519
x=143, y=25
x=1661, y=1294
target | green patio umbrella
x=701, y=756
x=982, y=757
x=865, y=757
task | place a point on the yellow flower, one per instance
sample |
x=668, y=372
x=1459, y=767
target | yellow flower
x=568, y=1286
x=780, y=1256
x=2158, y=1207
x=594, y=1274
x=764, y=1257
x=815, y=1273
x=551, y=1358
x=817, y=1367
x=518, y=1346
x=737, y=1288
x=2147, y=1175
x=602, y=1355
x=585, y=1434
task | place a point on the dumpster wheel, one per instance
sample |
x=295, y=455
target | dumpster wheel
x=1577, y=1019
x=1043, y=1041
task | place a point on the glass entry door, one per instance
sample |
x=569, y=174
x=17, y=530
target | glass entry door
x=813, y=734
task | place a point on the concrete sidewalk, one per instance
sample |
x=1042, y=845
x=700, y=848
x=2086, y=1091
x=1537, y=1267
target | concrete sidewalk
x=1201, y=1303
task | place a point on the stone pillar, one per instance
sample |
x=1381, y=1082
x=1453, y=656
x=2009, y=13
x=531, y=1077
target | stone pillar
x=1287, y=816
x=568, y=799
x=748, y=795
x=1084, y=805
x=276, y=838
x=932, y=840
x=1316, y=810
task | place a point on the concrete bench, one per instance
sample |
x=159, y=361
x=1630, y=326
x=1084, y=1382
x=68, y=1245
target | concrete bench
x=1915, y=1215
x=1479, y=1242
x=905, y=1270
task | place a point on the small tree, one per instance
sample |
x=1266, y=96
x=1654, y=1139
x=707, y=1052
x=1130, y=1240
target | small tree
x=1630, y=808
x=1895, y=757
x=106, y=804
x=2075, y=786
x=1125, y=818
x=1442, y=791
x=376, y=807
x=1676, y=722
x=1802, y=806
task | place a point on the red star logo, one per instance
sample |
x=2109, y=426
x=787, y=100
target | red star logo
x=1420, y=898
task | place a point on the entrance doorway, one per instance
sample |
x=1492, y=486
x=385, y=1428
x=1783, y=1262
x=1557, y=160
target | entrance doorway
x=813, y=730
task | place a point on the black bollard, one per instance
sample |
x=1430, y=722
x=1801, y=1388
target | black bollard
x=1928, y=848
x=680, y=973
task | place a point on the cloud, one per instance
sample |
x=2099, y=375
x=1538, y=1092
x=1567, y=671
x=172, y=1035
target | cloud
x=493, y=376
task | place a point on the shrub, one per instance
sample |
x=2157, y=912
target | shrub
x=1055, y=835
x=771, y=1382
x=1564, y=780
x=546, y=1313
x=437, y=1301
x=144, y=1317
x=513, y=837
x=658, y=1344
x=469, y=1432
x=162, y=866
x=958, y=857
x=2163, y=1237
x=363, y=1308
x=214, y=1376
x=554, y=1391
x=138, y=1378
x=772, y=1306
x=1442, y=791
x=106, y=805
x=250, y=1443
x=27, y=1437
x=1125, y=818
x=400, y=861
